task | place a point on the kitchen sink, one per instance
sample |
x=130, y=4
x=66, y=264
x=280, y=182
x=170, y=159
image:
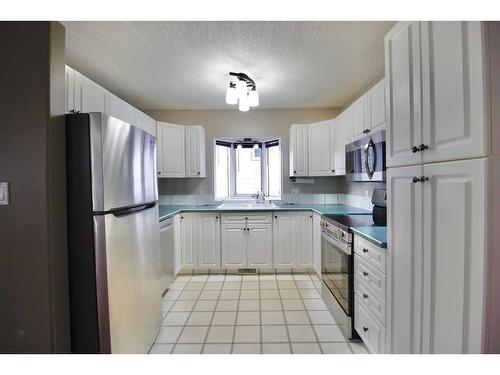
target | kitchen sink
x=245, y=206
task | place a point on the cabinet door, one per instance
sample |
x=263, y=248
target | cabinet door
x=208, y=240
x=144, y=122
x=317, y=242
x=177, y=244
x=455, y=123
x=120, y=109
x=341, y=128
x=171, y=150
x=259, y=246
x=404, y=251
x=69, y=75
x=360, y=117
x=376, y=107
x=233, y=245
x=283, y=240
x=455, y=231
x=320, y=149
x=195, y=151
x=303, y=239
x=89, y=96
x=299, y=150
x=189, y=246
x=403, y=107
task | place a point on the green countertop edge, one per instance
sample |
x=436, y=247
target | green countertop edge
x=168, y=211
x=376, y=235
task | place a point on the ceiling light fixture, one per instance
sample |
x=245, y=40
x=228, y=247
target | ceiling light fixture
x=243, y=91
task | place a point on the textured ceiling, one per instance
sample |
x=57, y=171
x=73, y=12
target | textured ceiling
x=185, y=65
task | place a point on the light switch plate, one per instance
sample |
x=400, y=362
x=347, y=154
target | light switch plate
x=4, y=193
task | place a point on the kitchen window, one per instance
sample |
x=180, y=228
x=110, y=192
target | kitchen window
x=244, y=167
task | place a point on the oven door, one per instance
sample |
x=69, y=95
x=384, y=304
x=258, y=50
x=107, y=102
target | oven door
x=337, y=288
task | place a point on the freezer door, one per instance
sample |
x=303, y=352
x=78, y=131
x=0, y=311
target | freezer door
x=128, y=280
x=123, y=161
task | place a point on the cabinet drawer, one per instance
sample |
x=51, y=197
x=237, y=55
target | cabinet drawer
x=371, y=331
x=247, y=218
x=372, y=301
x=372, y=278
x=372, y=253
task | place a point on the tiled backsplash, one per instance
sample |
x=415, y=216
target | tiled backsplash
x=350, y=200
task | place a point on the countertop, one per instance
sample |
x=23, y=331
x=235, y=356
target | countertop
x=376, y=235
x=168, y=211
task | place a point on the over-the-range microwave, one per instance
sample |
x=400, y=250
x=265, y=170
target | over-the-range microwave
x=365, y=158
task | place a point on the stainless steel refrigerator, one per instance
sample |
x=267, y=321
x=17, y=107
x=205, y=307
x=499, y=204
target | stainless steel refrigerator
x=113, y=236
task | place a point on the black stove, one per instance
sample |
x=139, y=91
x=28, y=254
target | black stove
x=345, y=222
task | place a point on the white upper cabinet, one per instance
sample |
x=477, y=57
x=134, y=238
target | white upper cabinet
x=340, y=129
x=120, y=109
x=403, y=107
x=360, y=117
x=376, y=107
x=209, y=255
x=171, y=150
x=69, y=93
x=195, y=151
x=454, y=118
x=436, y=92
x=320, y=149
x=89, y=96
x=299, y=150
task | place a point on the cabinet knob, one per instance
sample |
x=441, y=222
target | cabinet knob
x=415, y=149
x=246, y=218
x=365, y=296
x=275, y=216
x=198, y=173
x=365, y=329
x=182, y=217
x=294, y=172
x=365, y=274
x=415, y=180
x=216, y=218
x=159, y=172
x=423, y=147
x=365, y=250
x=423, y=178
x=333, y=170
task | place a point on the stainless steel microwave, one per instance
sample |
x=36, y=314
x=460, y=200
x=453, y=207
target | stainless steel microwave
x=365, y=158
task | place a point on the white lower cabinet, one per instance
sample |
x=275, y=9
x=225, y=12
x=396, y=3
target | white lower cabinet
x=436, y=250
x=317, y=242
x=247, y=240
x=293, y=239
x=200, y=237
x=371, y=331
x=177, y=244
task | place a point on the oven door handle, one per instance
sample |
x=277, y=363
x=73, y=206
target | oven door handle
x=345, y=247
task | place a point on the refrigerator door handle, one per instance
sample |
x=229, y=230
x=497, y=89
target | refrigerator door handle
x=129, y=210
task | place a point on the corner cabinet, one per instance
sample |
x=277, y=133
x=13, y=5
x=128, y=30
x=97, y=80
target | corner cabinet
x=437, y=88
x=299, y=150
x=436, y=254
x=171, y=150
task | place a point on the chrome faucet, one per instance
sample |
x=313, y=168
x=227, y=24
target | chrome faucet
x=260, y=197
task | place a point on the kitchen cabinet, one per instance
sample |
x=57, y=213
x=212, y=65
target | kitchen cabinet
x=283, y=241
x=247, y=240
x=376, y=98
x=195, y=151
x=293, y=239
x=340, y=128
x=171, y=150
x=320, y=149
x=120, y=109
x=189, y=240
x=144, y=122
x=299, y=150
x=89, y=96
x=317, y=242
x=177, y=244
x=436, y=251
x=437, y=101
x=209, y=254
x=360, y=117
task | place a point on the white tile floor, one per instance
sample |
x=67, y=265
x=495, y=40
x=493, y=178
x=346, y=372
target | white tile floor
x=270, y=314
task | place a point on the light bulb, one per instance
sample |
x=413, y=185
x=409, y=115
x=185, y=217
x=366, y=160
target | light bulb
x=253, y=98
x=241, y=88
x=243, y=106
x=231, y=94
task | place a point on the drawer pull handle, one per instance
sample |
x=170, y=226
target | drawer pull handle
x=365, y=329
x=365, y=251
x=365, y=296
x=365, y=274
